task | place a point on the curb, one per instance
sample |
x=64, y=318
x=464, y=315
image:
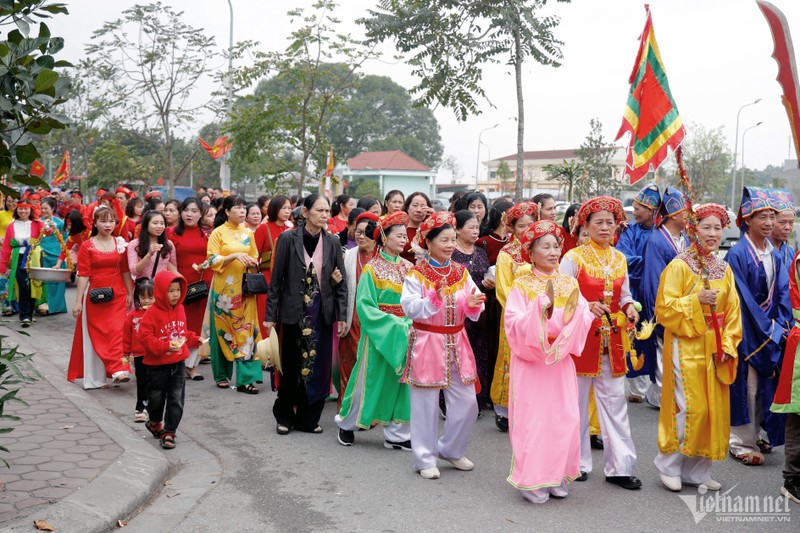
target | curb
x=130, y=481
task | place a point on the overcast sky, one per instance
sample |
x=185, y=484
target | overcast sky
x=717, y=54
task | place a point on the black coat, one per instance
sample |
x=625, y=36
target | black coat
x=285, y=296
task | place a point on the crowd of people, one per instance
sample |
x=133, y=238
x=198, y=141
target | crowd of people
x=408, y=315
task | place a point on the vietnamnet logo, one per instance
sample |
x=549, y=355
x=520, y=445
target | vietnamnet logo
x=728, y=507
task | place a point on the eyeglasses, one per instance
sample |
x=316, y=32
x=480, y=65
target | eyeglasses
x=359, y=233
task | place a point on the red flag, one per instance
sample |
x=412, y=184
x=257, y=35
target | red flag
x=161, y=181
x=37, y=169
x=331, y=164
x=62, y=172
x=220, y=147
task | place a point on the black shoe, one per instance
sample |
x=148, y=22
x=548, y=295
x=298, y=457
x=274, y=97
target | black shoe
x=405, y=445
x=626, y=482
x=791, y=488
x=345, y=438
x=596, y=442
x=501, y=422
x=26, y=322
x=583, y=477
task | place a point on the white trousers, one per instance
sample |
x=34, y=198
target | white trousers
x=654, y=390
x=619, y=453
x=743, y=438
x=693, y=470
x=637, y=386
x=462, y=412
x=392, y=432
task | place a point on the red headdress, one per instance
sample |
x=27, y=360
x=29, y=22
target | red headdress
x=707, y=210
x=124, y=190
x=595, y=205
x=152, y=194
x=436, y=220
x=398, y=218
x=536, y=230
x=518, y=211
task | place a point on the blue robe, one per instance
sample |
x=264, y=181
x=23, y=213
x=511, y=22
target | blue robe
x=766, y=313
x=787, y=254
x=658, y=252
x=631, y=243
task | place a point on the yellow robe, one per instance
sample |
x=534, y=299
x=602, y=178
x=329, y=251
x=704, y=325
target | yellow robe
x=510, y=266
x=705, y=380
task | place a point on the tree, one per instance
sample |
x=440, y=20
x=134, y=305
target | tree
x=147, y=64
x=380, y=115
x=504, y=174
x=450, y=163
x=450, y=41
x=32, y=91
x=708, y=161
x=307, y=82
x=594, y=154
x=361, y=187
x=567, y=173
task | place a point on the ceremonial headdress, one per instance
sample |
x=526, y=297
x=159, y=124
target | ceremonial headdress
x=649, y=197
x=398, y=218
x=707, y=210
x=672, y=202
x=754, y=200
x=436, y=220
x=100, y=192
x=595, y=205
x=783, y=200
x=124, y=190
x=536, y=230
x=152, y=194
x=518, y=211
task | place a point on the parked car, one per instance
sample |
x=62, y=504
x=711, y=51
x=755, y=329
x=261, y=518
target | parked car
x=438, y=205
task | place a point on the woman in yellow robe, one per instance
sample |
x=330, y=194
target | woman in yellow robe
x=510, y=266
x=694, y=422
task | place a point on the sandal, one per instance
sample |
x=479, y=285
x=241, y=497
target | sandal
x=750, y=459
x=224, y=384
x=156, y=429
x=168, y=441
x=282, y=430
x=247, y=389
x=764, y=446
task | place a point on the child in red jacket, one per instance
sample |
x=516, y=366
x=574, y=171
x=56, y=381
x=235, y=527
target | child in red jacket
x=166, y=341
x=132, y=349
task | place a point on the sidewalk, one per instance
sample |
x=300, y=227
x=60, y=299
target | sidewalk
x=73, y=463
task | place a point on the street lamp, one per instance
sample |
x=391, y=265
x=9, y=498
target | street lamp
x=478, y=162
x=743, y=137
x=736, y=149
x=224, y=171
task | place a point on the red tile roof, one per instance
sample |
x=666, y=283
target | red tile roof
x=386, y=160
x=545, y=154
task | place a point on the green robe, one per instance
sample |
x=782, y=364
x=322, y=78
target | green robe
x=382, y=348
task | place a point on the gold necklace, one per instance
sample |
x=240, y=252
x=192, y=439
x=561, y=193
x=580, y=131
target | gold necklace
x=607, y=270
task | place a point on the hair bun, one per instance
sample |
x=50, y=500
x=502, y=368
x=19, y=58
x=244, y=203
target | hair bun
x=369, y=231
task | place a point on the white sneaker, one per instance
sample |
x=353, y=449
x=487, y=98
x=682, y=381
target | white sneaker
x=121, y=377
x=673, y=483
x=140, y=416
x=535, y=496
x=430, y=473
x=561, y=491
x=462, y=463
x=711, y=485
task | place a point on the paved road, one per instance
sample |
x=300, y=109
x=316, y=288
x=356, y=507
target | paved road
x=304, y=482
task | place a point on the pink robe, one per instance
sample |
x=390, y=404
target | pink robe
x=544, y=420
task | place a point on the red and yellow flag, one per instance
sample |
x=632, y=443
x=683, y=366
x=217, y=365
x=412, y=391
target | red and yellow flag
x=651, y=115
x=221, y=145
x=37, y=169
x=62, y=172
x=331, y=164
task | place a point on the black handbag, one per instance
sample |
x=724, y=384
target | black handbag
x=254, y=283
x=101, y=295
x=196, y=291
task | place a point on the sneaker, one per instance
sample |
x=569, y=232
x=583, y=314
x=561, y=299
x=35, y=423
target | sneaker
x=673, y=483
x=462, y=463
x=501, y=422
x=430, y=473
x=405, y=445
x=711, y=485
x=121, y=377
x=345, y=438
x=791, y=488
x=26, y=322
x=140, y=416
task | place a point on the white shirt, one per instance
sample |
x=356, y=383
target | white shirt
x=766, y=258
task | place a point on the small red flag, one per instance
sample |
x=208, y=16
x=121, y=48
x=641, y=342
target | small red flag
x=62, y=172
x=161, y=181
x=37, y=169
x=220, y=147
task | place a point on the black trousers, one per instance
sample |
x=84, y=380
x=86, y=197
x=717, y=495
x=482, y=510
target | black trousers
x=24, y=294
x=141, y=383
x=291, y=407
x=166, y=393
x=791, y=448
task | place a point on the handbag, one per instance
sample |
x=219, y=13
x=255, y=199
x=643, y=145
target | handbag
x=265, y=261
x=101, y=295
x=254, y=283
x=196, y=291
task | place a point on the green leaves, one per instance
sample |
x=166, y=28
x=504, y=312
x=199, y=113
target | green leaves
x=15, y=369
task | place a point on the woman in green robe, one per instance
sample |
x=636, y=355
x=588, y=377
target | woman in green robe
x=374, y=393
